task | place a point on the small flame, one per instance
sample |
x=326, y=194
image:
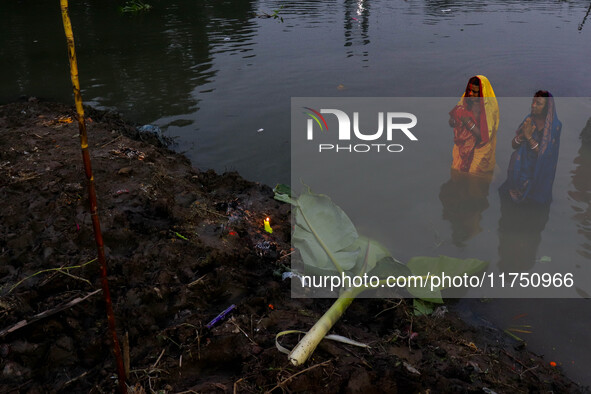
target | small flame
x=268, y=225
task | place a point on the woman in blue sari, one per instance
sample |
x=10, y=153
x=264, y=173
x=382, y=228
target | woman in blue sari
x=533, y=163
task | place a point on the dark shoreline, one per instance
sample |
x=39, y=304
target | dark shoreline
x=182, y=245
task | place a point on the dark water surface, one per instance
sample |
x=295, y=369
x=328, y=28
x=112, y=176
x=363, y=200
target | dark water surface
x=212, y=74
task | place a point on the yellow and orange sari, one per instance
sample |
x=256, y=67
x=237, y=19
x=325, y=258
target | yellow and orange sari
x=469, y=154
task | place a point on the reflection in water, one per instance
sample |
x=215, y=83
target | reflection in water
x=585, y=18
x=146, y=66
x=520, y=233
x=581, y=180
x=356, y=26
x=464, y=198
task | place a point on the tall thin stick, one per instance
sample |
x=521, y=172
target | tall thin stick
x=92, y=194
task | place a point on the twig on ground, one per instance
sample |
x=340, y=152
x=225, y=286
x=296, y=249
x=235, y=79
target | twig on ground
x=126, y=358
x=198, y=344
x=286, y=255
x=113, y=140
x=233, y=321
x=69, y=382
x=388, y=309
x=74, y=276
x=60, y=269
x=528, y=370
x=236, y=385
x=522, y=364
x=42, y=315
x=158, y=360
x=147, y=372
x=200, y=208
x=196, y=281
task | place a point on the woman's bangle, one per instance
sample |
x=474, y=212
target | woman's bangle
x=518, y=140
x=532, y=143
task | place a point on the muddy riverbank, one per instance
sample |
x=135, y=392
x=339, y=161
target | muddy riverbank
x=182, y=246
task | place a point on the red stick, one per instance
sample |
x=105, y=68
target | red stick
x=92, y=194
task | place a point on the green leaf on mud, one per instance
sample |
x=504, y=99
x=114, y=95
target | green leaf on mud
x=324, y=234
x=283, y=194
x=422, y=307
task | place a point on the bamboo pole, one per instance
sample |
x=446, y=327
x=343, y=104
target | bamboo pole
x=92, y=194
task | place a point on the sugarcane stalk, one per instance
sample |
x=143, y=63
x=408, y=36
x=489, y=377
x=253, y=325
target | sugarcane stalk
x=304, y=349
x=92, y=193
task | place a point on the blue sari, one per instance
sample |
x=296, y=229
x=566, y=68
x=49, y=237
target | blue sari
x=531, y=175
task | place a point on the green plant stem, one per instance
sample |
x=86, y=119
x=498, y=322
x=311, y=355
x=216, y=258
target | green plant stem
x=304, y=349
x=310, y=341
x=63, y=270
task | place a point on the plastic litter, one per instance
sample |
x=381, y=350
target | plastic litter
x=221, y=316
x=410, y=368
x=291, y=275
x=440, y=311
x=264, y=246
x=153, y=130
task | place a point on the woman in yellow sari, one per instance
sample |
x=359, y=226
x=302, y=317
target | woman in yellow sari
x=475, y=120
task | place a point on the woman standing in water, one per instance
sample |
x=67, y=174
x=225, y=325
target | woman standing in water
x=475, y=120
x=533, y=163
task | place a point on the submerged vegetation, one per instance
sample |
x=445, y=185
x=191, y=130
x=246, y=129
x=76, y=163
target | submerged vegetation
x=135, y=6
x=274, y=15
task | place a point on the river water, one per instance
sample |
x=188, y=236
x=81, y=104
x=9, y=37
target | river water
x=218, y=76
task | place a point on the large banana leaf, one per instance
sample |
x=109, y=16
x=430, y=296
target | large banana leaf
x=324, y=234
x=328, y=242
